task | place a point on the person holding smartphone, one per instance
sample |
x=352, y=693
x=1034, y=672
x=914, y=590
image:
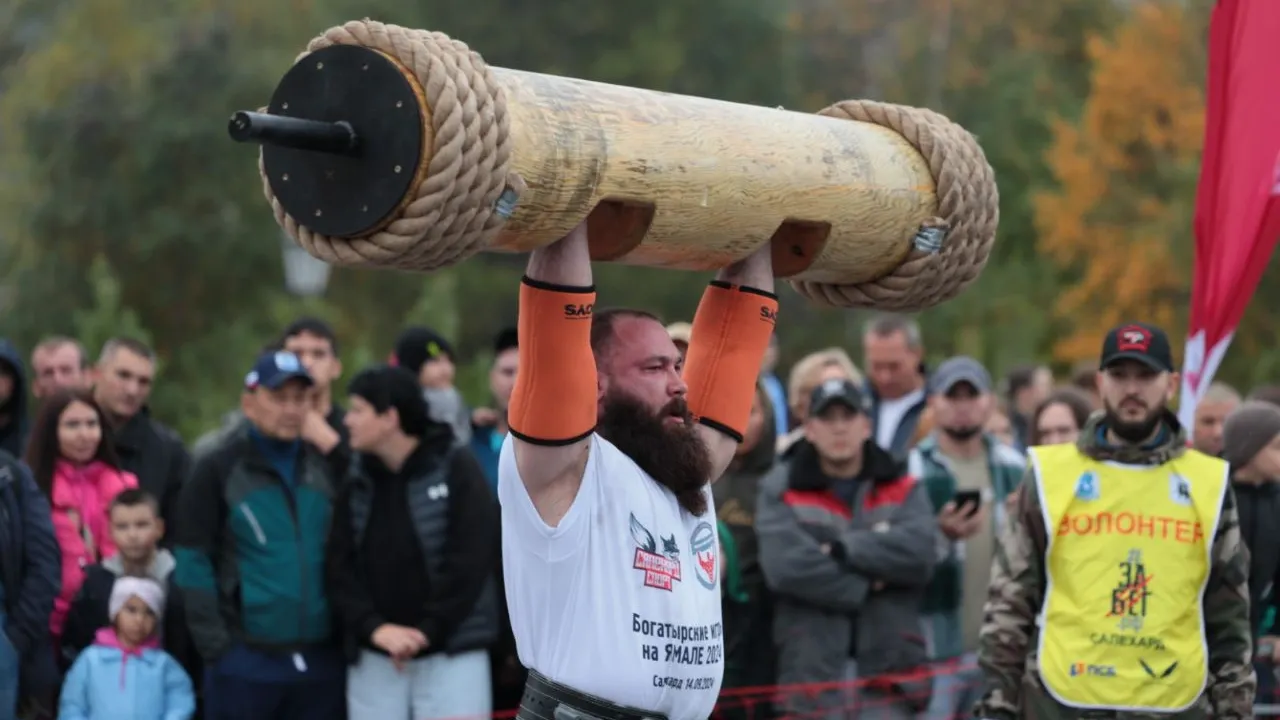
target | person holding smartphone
x=968, y=474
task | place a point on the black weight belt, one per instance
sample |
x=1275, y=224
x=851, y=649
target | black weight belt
x=549, y=700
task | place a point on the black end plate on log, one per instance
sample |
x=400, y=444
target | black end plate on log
x=334, y=188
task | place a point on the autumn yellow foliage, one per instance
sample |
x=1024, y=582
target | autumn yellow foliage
x=1118, y=223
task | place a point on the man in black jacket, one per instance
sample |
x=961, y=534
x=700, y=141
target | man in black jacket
x=750, y=651
x=30, y=578
x=316, y=345
x=1251, y=444
x=13, y=400
x=411, y=557
x=147, y=448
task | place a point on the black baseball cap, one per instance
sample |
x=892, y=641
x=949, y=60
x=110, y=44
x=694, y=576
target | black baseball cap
x=836, y=391
x=1139, y=342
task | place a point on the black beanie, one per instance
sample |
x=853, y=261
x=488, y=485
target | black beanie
x=417, y=345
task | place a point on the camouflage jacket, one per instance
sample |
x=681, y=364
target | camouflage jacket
x=1007, y=648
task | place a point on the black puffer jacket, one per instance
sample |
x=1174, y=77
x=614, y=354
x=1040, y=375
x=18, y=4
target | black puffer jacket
x=746, y=603
x=155, y=454
x=13, y=410
x=735, y=498
x=1259, y=512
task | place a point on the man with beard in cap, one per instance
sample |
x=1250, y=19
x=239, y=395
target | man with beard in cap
x=608, y=530
x=1140, y=604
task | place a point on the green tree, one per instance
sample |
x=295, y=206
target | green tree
x=1002, y=69
x=106, y=315
x=112, y=126
x=1119, y=220
x=110, y=122
x=1008, y=69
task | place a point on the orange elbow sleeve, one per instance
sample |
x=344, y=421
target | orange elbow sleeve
x=731, y=332
x=554, y=400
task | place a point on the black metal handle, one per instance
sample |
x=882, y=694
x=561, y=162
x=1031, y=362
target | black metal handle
x=337, y=138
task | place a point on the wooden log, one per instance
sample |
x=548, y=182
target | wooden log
x=407, y=151
x=691, y=183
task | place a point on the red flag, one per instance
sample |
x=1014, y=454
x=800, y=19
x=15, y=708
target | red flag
x=1237, y=219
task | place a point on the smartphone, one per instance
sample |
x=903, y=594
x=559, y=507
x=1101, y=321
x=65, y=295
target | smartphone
x=970, y=498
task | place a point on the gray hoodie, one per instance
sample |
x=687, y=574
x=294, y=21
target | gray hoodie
x=445, y=405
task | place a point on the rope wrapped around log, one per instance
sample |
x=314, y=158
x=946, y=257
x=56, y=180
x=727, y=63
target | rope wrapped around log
x=453, y=211
x=466, y=186
x=968, y=213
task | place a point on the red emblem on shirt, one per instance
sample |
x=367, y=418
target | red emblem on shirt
x=661, y=570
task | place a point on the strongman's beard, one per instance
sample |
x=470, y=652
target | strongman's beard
x=673, y=455
x=1131, y=431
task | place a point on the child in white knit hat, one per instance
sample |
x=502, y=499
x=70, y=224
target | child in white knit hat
x=125, y=674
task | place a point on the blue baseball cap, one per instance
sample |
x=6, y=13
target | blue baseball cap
x=273, y=369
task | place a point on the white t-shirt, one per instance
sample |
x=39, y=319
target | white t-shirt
x=890, y=417
x=622, y=599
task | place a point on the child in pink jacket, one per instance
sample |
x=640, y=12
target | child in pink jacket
x=81, y=496
x=74, y=463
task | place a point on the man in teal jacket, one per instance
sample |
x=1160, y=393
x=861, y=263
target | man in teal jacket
x=251, y=530
x=959, y=463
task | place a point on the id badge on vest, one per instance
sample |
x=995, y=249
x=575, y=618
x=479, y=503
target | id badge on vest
x=1128, y=557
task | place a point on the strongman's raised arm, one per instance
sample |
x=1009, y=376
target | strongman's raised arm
x=609, y=535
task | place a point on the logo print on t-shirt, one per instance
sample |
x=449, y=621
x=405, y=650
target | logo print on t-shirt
x=705, y=566
x=660, y=571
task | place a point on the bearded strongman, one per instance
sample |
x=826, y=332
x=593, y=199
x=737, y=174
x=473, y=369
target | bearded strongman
x=609, y=542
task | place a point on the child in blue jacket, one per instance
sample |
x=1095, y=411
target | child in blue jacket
x=125, y=674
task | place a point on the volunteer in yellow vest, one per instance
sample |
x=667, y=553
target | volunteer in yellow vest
x=1120, y=587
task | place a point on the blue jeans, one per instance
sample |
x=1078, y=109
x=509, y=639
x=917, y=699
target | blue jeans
x=9, y=663
x=957, y=687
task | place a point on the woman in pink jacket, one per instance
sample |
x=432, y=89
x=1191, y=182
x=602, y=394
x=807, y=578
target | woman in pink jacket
x=75, y=465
